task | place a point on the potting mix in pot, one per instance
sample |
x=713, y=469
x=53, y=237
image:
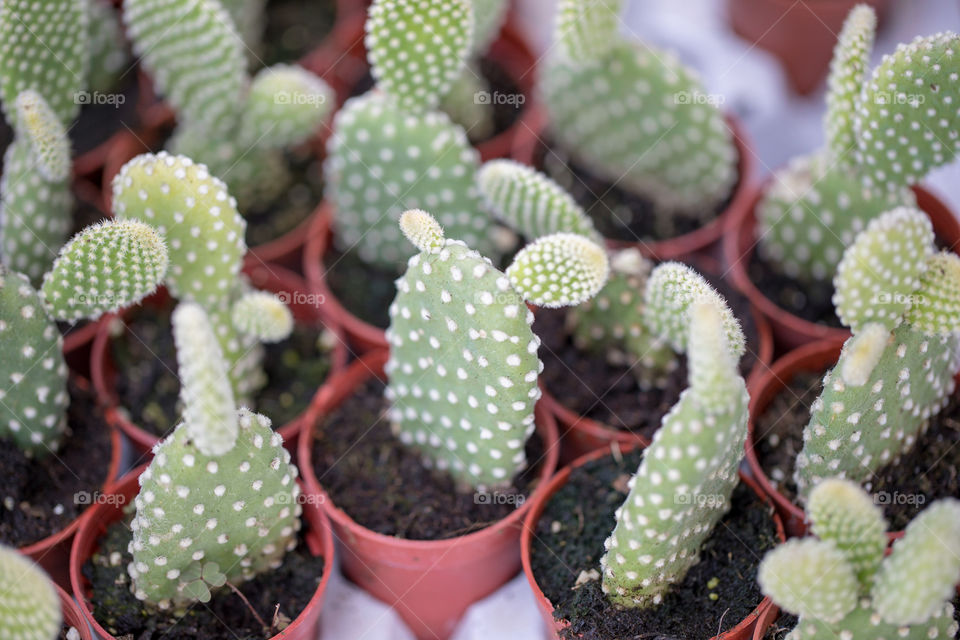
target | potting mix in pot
x=539, y=246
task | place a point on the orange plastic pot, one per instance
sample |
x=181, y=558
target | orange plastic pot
x=72, y=616
x=743, y=630
x=293, y=292
x=430, y=583
x=765, y=621
x=318, y=538
x=790, y=331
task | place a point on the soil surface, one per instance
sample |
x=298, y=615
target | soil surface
x=294, y=28
x=716, y=594
x=150, y=388
x=225, y=617
x=384, y=486
x=41, y=497
x=929, y=471
x=97, y=122
x=811, y=302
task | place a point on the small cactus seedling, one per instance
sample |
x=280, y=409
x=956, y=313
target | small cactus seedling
x=29, y=606
x=841, y=586
x=901, y=299
x=688, y=474
x=636, y=116
x=219, y=500
x=463, y=361
x=392, y=150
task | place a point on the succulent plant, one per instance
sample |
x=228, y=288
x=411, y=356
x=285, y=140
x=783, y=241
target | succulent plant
x=841, y=586
x=884, y=132
x=689, y=471
x=902, y=301
x=236, y=125
x=463, y=361
x=108, y=53
x=219, y=501
x=29, y=605
x=635, y=115
x=104, y=268
x=391, y=149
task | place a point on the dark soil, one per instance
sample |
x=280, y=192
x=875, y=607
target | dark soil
x=618, y=213
x=569, y=540
x=97, y=122
x=150, y=388
x=781, y=627
x=294, y=28
x=294, y=205
x=591, y=387
x=928, y=472
x=41, y=497
x=812, y=302
x=385, y=487
x=363, y=290
x=225, y=617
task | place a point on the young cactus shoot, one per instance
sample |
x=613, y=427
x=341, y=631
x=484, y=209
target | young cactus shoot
x=29, y=606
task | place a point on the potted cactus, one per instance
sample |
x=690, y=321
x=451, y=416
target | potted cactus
x=50, y=425
x=32, y=607
x=456, y=442
x=217, y=521
x=634, y=125
x=859, y=593
x=604, y=358
x=626, y=543
x=885, y=409
x=885, y=131
x=136, y=373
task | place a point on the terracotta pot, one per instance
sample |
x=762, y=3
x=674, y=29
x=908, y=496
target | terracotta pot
x=683, y=246
x=790, y=331
x=742, y=631
x=294, y=293
x=318, y=538
x=429, y=582
x=53, y=552
x=72, y=616
x=765, y=621
x=801, y=35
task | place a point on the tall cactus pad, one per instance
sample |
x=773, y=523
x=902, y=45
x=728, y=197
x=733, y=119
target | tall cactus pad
x=687, y=475
x=641, y=119
x=33, y=392
x=463, y=361
x=559, y=270
x=285, y=107
x=29, y=606
x=234, y=515
x=938, y=310
x=104, y=268
x=382, y=162
x=848, y=71
x=108, y=50
x=49, y=145
x=587, y=29
x=196, y=58
x=813, y=211
x=417, y=47
x=908, y=119
x=43, y=46
x=195, y=214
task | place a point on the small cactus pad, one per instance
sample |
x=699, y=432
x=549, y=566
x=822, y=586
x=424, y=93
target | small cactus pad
x=29, y=605
x=587, y=29
x=559, y=270
x=49, y=144
x=286, y=106
x=262, y=315
x=936, y=310
x=848, y=70
x=417, y=47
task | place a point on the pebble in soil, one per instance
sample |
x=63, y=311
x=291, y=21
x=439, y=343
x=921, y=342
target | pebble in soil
x=146, y=353
x=929, y=471
x=41, y=497
x=283, y=592
x=716, y=594
x=385, y=487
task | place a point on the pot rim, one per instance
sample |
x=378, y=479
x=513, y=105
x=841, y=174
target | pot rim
x=72, y=616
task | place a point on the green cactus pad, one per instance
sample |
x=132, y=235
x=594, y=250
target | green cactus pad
x=382, y=162
x=417, y=47
x=559, y=270
x=33, y=397
x=104, y=268
x=49, y=145
x=466, y=103
x=286, y=106
x=937, y=310
x=587, y=30
x=848, y=70
x=29, y=605
x=108, y=54
x=263, y=316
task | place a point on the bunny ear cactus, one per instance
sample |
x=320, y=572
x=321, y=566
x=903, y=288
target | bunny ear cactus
x=900, y=298
x=463, y=361
x=108, y=53
x=636, y=116
x=688, y=474
x=29, y=605
x=848, y=70
x=219, y=501
x=841, y=586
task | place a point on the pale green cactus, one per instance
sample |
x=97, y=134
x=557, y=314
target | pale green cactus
x=262, y=315
x=900, y=299
x=279, y=112
x=635, y=115
x=29, y=605
x=488, y=17
x=219, y=501
x=689, y=471
x=108, y=53
x=841, y=586
x=848, y=69
x=463, y=361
